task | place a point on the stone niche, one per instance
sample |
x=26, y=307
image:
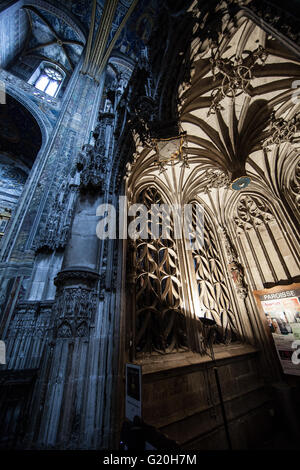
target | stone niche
x=180, y=398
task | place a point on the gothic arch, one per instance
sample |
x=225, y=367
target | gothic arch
x=267, y=247
x=40, y=117
x=46, y=129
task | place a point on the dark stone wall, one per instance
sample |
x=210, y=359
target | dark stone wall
x=183, y=403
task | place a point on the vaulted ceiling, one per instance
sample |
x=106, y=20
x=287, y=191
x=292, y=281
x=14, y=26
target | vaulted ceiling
x=53, y=38
x=242, y=94
x=241, y=118
x=58, y=31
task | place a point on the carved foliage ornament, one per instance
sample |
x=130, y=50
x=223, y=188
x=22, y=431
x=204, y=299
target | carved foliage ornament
x=236, y=75
x=251, y=212
x=212, y=289
x=160, y=323
x=215, y=178
x=282, y=130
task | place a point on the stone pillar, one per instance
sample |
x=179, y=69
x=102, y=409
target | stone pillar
x=23, y=275
x=75, y=390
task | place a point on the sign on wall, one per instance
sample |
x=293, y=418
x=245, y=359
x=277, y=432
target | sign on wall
x=133, y=403
x=281, y=309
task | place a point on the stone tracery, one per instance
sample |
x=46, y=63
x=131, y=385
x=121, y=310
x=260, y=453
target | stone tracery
x=160, y=323
x=211, y=284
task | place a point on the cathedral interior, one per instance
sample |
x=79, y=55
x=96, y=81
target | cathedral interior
x=146, y=103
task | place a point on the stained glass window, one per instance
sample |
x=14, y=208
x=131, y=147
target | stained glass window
x=49, y=81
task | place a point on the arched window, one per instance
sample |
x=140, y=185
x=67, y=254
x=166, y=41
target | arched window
x=49, y=80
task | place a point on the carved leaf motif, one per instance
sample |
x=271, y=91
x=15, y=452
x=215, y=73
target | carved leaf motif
x=160, y=324
x=212, y=289
x=252, y=212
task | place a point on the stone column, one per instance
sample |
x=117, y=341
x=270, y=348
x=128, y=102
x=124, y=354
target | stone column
x=23, y=275
x=75, y=387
